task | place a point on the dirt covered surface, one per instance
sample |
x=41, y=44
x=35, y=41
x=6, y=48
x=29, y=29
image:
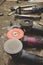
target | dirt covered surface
x=4, y=25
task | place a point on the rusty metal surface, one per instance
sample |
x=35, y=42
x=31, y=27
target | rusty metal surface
x=5, y=59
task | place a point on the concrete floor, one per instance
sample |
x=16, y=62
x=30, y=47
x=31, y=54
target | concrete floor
x=4, y=24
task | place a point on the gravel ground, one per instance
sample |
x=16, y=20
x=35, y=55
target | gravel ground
x=4, y=24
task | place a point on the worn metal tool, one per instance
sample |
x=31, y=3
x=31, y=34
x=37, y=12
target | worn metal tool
x=34, y=17
x=29, y=9
x=13, y=8
x=34, y=9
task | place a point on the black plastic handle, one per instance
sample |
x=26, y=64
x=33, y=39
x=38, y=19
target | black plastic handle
x=29, y=56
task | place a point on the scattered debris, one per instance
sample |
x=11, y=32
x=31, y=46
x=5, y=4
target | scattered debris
x=11, y=13
x=1, y=14
x=11, y=23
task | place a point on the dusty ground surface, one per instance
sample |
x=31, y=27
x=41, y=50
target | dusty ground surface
x=4, y=24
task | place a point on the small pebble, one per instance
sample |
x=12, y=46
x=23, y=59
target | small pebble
x=4, y=28
x=2, y=37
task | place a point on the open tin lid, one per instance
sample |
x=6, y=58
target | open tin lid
x=13, y=46
x=15, y=33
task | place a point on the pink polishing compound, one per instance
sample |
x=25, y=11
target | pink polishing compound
x=31, y=40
